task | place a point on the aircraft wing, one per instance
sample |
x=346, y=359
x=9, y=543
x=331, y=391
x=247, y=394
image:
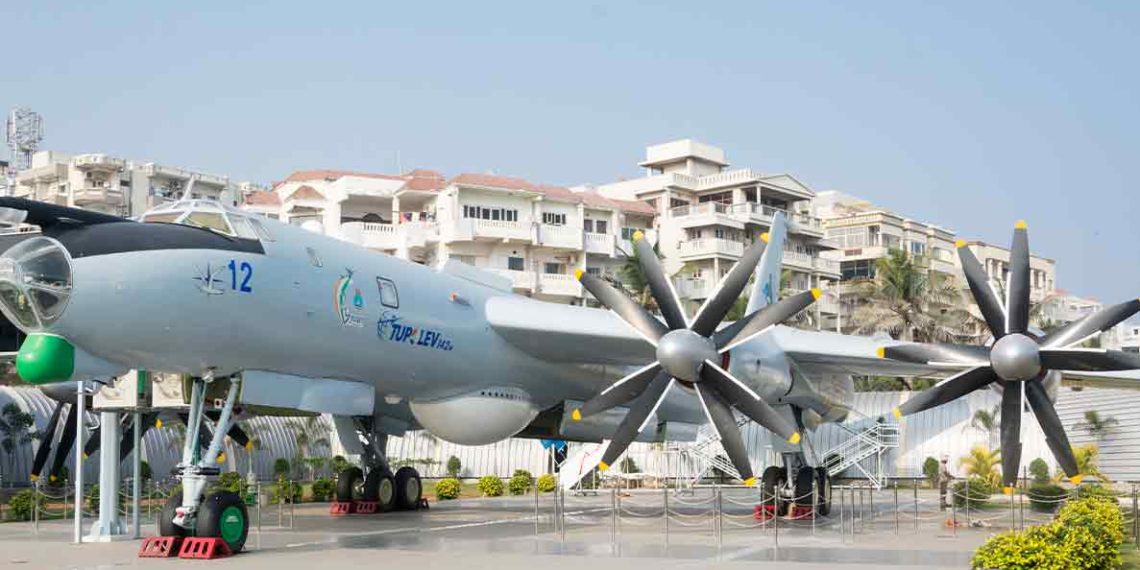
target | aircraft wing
x=821, y=352
x=565, y=333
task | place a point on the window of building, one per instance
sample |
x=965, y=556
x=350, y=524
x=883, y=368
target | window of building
x=468, y=259
x=857, y=269
x=389, y=296
x=553, y=268
x=554, y=219
x=719, y=198
x=627, y=233
x=677, y=203
x=600, y=226
x=750, y=194
x=515, y=263
x=595, y=271
x=485, y=213
x=917, y=248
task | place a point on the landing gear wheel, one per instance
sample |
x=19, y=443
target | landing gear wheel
x=408, y=488
x=379, y=486
x=773, y=481
x=350, y=485
x=805, y=476
x=223, y=515
x=823, y=488
x=166, y=526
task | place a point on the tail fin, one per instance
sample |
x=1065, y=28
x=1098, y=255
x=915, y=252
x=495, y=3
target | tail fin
x=766, y=289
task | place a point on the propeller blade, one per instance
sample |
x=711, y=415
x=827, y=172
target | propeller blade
x=659, y=283
x=1017, y=315
x=933, y=354
x=66, y=440
x=948, y=390
x=725, y=423
x=619, y=392
x=238, y=435
x=984, y=296
x=755, y=323
x=127, y=445
x=1010, y=434
x=46, y=439
x=1097, y=322
x=716, y=307
x=635, y=420
x=92, y=444
x=1089, y=359
x=633, y=314
x=1055, y=436
x=740, y=396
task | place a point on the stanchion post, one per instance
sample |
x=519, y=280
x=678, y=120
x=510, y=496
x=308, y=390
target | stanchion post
x=613, y=520
x=916, y=507
x=292, y=504
x=776, y=517
x=280, y=505
x=665, y=496
x=720, y=517
x=536, y=507
x=954, y=514
x=967, y=488
x=871, y=502
x=1012, y=512
x=896, y=485
x=36, y=507
x=814, y=504
x=1135, y=520
x=562, y=515
x=259, y=500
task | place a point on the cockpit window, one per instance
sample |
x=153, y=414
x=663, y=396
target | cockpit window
x=259, y=227
x=209, y=220
x=35, y=282
x=164, y=218
x=242, y=227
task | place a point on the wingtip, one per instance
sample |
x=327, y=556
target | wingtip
x=897, y=412
x=816, y=293
x=764, y=237
x=638, y=235
x=576, y=415
x=960, y=243
x=578, y=273
x=795, y=438
x=603, y=466
x=1020, y=225
x=750, y=482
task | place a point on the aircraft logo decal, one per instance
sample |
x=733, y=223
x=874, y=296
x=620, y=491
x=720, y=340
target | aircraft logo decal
x=389, y=328
x=208, y=281
x=351, y=313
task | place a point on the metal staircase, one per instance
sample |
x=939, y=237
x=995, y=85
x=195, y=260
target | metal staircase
x=871, y=442
x=707, y=454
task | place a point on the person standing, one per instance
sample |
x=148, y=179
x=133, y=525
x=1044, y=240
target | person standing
x=944, y=478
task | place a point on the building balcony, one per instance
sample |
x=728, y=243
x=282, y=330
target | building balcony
x=559, y=236
x=523, y=280
x=48, y=173
x=693, y=288
x=559, y=284
x=99, y=162
x=710, y=247
x=600, y=243
x=371, y=235
x=824, y=265
x=706, y=214
x=468, y=229
x=97, y=195
x=798, y=260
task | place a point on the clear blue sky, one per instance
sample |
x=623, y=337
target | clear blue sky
x=970, y=116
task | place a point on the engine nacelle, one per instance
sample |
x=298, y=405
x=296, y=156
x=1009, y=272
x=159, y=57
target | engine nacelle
x=481, y=417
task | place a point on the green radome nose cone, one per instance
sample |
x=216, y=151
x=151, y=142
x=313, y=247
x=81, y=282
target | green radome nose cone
x=45, y=358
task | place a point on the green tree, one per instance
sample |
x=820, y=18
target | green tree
x=910, y=303
x=1040, y=470
x=983, y=464
x=1097, y=426
x=17, y=428
x=311, y=432
x=633, y=279
x=988, y=421
x=454, y=466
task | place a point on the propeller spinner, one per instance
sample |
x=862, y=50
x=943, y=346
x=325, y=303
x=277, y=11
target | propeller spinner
x=689, y=353
x=1019, y=358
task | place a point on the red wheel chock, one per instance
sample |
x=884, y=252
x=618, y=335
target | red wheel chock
x=340, y=509
x=160, y=547
x=802, y=512
x=764, y=512
x=203, y=548
x=367, y=507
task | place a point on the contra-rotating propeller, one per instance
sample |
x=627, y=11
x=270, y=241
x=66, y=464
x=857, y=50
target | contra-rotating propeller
x=1018, y=358
x=689, y=353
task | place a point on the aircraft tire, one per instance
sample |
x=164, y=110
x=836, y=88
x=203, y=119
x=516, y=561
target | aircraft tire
x=773, y=479
x=804, y=478
x=380, y=486
x=823, y=487
x=409, y=488
x=348, y=485
x=223, y=515
x=166, y=526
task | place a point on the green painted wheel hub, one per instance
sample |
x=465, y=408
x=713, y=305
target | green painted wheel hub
x=232, y=524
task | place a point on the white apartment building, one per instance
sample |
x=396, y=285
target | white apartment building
x=706, y=214
x=114, y=185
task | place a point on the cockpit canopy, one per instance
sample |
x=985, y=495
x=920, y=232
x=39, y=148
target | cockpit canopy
x=210, y=215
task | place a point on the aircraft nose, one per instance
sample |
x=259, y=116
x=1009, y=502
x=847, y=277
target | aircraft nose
x=35, y=283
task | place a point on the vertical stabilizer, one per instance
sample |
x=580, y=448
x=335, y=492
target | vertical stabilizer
x=766, y=288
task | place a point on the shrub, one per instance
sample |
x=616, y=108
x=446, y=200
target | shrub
x=323, y=489
x=20, y=505
x=230, y=481
x=338, y=464
x=628, y=465
x=454, y=466
x=286, y=491
x=519, y=483
x=1094, y=490
x=92, y=499
x=976, y=489
x=1033, y=548
x=1046, y=497
x=1040, y=470
x=281, y=467
x=1087, y=533
x=930, y=470
x=547, y=483
x=447, y=489
x=490, y=486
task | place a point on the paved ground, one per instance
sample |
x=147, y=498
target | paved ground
x=500, y=534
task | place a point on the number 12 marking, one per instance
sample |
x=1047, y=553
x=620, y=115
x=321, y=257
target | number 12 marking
x=246, y=269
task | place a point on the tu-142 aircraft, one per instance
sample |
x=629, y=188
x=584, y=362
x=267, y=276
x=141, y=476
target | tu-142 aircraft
x=265, y=317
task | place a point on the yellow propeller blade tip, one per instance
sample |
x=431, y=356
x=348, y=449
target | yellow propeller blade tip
x=158, y=424
x=897, y=412
x=881, y=352
x=576, y=415
x=637, y=236
x=51, y=478
x=1076, y=479
x=750, y=482
x=795, y=438
x=221, y=458
x=960, y=244
x=34, y=477
x=602, y=466
x=85, y=457
x=249, y=446
x=764, y=237
x=1020, y=225
x=816, y=293
x=578, y=273
x=1007, y=490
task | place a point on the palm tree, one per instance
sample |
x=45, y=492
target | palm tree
x=310, y=432
x=987, y=421
x=983, y=464
x=1097, y=426
x=632, y=279
x=1087, y=456
x=910, y=303
x=17, y=428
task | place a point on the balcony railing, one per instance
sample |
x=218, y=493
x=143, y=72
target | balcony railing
x=500, y=229
x=559, y=284
x=559, y=236
x=711, y=246
x=599, y=243
x=96, y=194
x=747, y=212
x=371, y=235
x=519, y=279
x=693, y=288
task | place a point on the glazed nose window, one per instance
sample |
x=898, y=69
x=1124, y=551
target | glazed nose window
x=35, y=282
